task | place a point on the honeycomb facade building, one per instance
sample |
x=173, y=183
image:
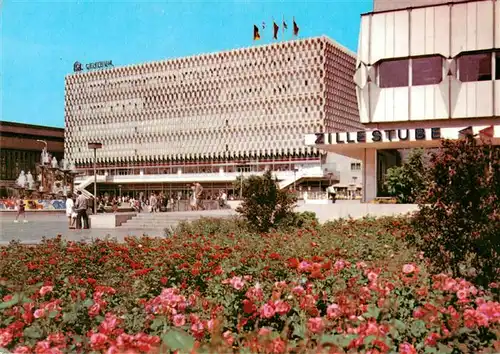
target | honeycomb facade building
x=212, y=112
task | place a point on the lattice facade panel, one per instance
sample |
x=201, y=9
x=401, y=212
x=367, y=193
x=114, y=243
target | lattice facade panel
x=253, y=102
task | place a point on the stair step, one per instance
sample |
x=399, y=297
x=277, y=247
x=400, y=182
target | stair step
x=161, y=221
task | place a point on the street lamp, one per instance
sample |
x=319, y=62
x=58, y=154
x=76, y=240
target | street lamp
x=43, y=141
x=295, y=170
x=95, y=146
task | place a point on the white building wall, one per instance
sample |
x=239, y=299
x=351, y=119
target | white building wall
x=343, y=165
x=446, y=30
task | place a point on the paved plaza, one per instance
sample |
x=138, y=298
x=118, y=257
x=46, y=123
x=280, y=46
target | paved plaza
x=50, y=225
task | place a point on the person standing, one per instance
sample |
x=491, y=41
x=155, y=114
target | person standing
x=81, y=207
x=153, y=202
x=222, y=199
x=332, y=193
x=193, y=202
x=198, y=189
x=21, y=209
x=70, y=204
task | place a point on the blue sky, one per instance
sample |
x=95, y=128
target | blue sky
x=40, y=40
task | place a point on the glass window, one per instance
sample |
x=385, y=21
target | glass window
x=474, y=67
x=497, y=66
x=427, y=71
x=393, y=73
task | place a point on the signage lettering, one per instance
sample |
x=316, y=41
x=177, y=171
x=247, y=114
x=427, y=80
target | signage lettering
x=389, y=135
x=419, y=134
x=99, y=65
x=400, y=135
x=77, y=66
x=435, y=133
x=320, y=139
x=376, y=136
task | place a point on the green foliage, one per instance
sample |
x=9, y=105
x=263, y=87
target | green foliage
x=458, y=226
x=211, y=226
x=264, y=204
x=406, y=182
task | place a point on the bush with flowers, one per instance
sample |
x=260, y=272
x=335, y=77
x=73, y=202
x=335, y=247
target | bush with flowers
x=343, y=287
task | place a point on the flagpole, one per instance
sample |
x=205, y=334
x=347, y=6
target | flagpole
x=273, y=28
x=283, y=28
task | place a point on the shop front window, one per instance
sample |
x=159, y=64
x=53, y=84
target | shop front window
x=474, y=67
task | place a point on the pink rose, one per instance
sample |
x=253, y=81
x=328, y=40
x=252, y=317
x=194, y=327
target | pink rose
x=22, y=350
x=109, y=324
x=5, y=337
x=237, y=282
x=45, y=290
x=98, y=341
x=281, y=307
x=94, y=310
x=39, y=313
x=267, y=311
x=372, y=276
x=333, y=311
x=406, y=348
x=462, y=294
x=56, y=338
x=408, y=268
x=179, y=320
x=42, y=346
x=315, y=325
x=228, y=337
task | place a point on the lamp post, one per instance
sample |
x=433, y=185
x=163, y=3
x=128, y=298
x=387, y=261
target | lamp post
x=43, y=141
x=295, y=170
x=95, y=146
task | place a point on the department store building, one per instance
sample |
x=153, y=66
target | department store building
x=210, y=118
x=426, y=70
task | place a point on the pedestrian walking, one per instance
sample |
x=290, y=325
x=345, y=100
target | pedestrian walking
x=332, y=193
x=20, y=206
x=198, y=189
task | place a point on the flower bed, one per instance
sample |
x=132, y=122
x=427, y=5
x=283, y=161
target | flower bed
x=351, y=286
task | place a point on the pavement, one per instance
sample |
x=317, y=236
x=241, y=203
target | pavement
x=50, y=225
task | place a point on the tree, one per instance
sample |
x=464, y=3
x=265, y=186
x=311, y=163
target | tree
x=458, y=225
x=264, y=205
x=406, y=182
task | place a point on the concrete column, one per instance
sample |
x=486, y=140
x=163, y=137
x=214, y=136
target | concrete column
x=369, y=175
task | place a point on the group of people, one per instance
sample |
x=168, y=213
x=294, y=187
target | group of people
x=76, y=211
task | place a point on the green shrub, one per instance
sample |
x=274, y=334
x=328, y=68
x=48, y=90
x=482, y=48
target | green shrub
x=406, y=182
x=211, y=226
x=299, y=220
x=458, y=226
x=264, y=205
